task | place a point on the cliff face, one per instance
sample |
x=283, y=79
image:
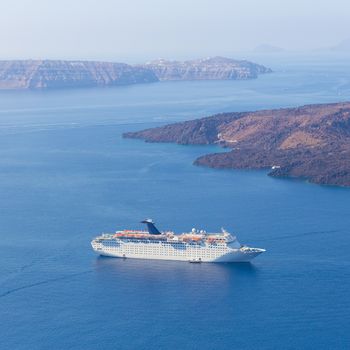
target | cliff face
x=34, y=74
x=215, y=68
x=42, y=74
x=311, y=142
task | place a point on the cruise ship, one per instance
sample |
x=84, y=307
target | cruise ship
x=195, y=246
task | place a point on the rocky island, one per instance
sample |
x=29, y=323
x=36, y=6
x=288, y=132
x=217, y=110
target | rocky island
x=212, y=68
x=44, y=74
x=310, y=142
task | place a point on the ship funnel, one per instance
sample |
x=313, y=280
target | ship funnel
x=150, y=227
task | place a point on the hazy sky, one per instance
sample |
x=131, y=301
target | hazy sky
x=115, y=29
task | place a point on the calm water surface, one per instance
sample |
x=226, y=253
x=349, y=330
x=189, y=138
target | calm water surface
x=66, y=175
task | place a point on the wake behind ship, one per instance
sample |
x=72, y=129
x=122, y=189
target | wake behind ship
x=195, y=246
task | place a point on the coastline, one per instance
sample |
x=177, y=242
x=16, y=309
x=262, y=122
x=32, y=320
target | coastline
x=308, y=142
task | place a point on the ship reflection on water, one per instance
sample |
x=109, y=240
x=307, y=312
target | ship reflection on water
x=146, y=272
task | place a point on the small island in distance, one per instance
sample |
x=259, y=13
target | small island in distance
x=46, y=74
x=310, y=142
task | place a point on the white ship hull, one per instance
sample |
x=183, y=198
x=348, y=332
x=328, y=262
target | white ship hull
x=159, y=251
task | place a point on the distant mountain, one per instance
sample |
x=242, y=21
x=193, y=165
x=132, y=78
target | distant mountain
x=342, y=46
x=212, y=68
x=310, y=142
x=266, y=48
x=44, y=74
x=35, y=74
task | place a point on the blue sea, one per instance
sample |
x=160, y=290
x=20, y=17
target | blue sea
x=66, y=175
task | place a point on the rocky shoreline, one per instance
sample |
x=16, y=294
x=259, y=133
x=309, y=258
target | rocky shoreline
x=310, y=142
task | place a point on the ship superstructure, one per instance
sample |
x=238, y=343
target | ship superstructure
x=194, y=246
